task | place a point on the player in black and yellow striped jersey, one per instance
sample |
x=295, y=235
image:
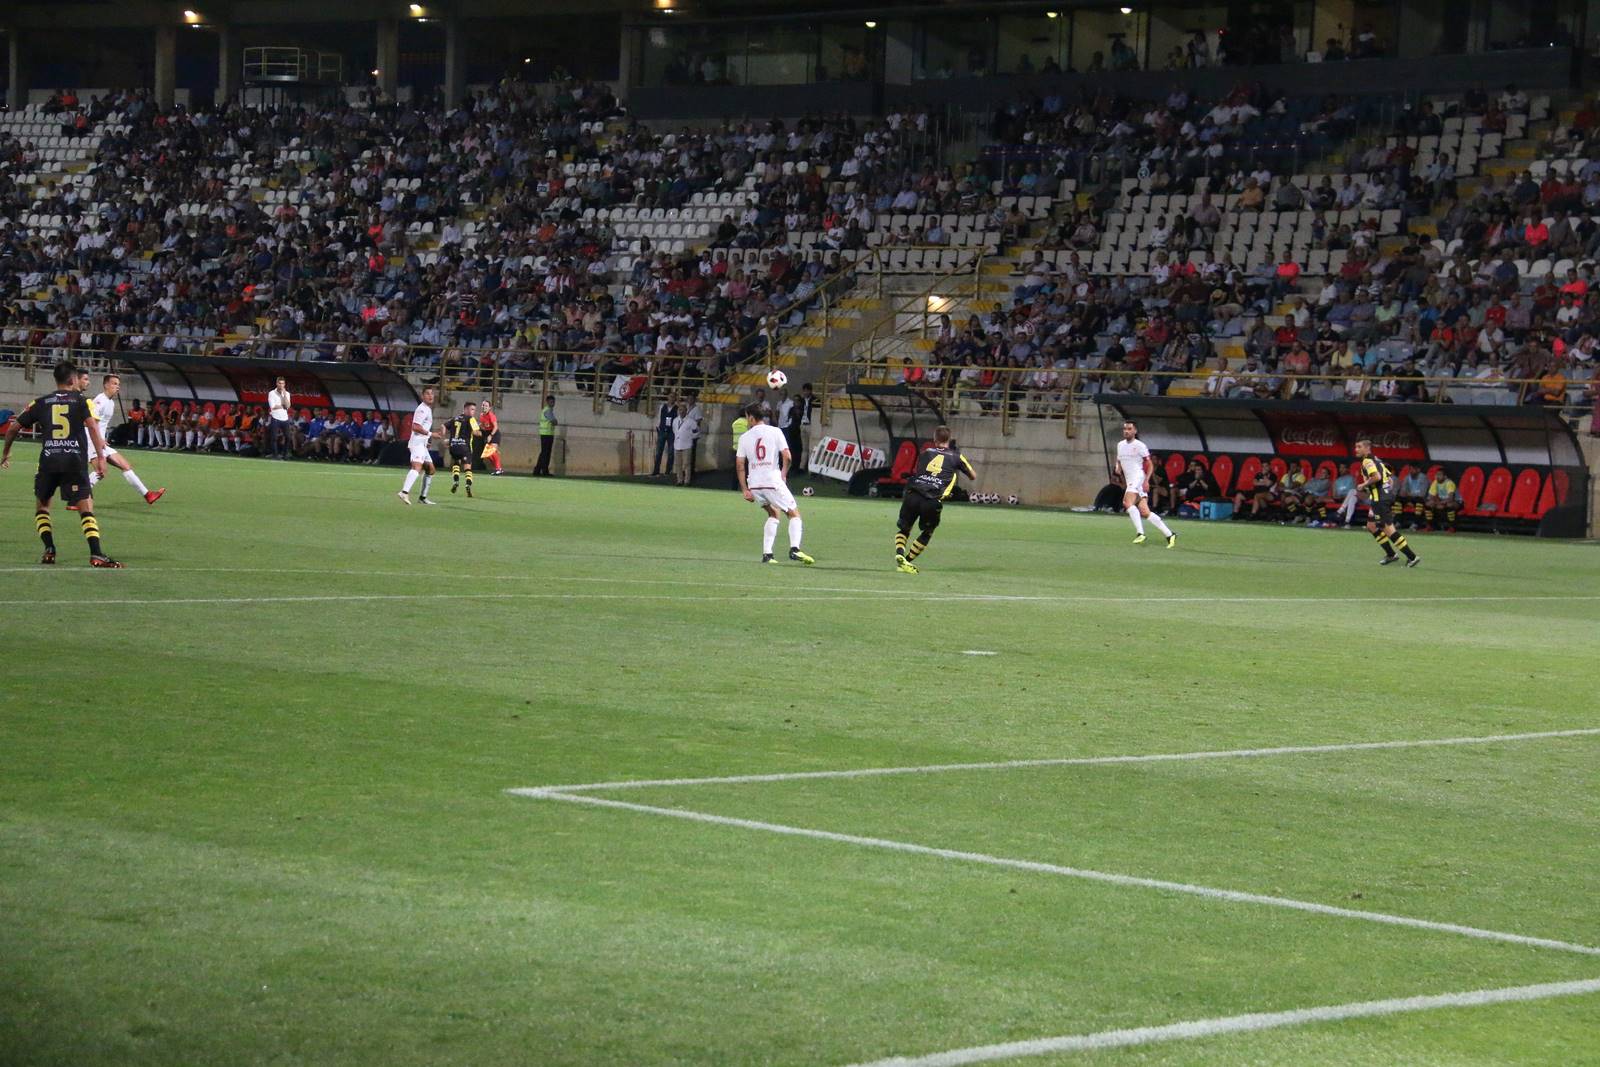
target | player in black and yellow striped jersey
x=926, y=490
x=1380, y=488
x=461, y=434
x=67, y=428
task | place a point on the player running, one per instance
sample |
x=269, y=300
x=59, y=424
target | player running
x=460, y=433
x=104, y=407
x=491, y=438
x=62, y=418
x=1134, y=464
x=422, y=432
x=926, y=490
x=761, y=462
x=1379, y=486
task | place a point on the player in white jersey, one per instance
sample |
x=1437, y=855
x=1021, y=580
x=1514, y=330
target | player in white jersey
x=1133, y=470
x=422, y=432
x=762, y=462
x=104, y=409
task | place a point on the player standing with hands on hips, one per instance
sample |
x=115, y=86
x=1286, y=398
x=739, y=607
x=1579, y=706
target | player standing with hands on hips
x=762, y=465
x=1134, y=466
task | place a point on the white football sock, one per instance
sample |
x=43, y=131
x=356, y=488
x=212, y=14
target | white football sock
x=411, y=479
x=769, y=534
x=427, y=483
x=1133, y=513
x=794, y=532
x=133, y=480
x=1160, y=524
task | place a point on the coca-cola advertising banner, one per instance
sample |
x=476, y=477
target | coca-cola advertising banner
x=254, y=384
x=1318, y=434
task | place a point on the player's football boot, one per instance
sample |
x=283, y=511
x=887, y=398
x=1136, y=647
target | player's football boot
x=768, y=558
x=1386, y=560
x=800, y=557
x=1413, y=561
x=454, y=486
x=1172, y=540
x=104, y=561
x=425, y=500
x=904, y=566
x=155, y=494
x=1139, y=540
x=405, y=498
x=469, y=492
x=48, y=559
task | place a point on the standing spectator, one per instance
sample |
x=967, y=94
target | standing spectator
x=278, y=425
x=796, y=430
x=685, y=428
x=665, y=417
x=547, y=436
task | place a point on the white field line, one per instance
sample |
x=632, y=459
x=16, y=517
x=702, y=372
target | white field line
x=1069, y=761
x=1239, y=1024
x=858, y=596
x=1035, y=867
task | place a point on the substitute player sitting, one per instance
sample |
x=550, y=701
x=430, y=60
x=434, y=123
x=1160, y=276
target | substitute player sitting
x=930, y=484
x=62, y=418
x=762, y=464
x=1134, y=465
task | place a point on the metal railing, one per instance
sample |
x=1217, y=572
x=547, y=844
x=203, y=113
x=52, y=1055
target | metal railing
x=1057, y=393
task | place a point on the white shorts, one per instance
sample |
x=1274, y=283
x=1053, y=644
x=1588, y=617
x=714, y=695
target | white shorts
x=108, y=453
x=779, y=498
x=419, y=450
x=1137, y=488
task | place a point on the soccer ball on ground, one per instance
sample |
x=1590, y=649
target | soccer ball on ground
x=777, y=379
x=1013, y=499
x=808, y=491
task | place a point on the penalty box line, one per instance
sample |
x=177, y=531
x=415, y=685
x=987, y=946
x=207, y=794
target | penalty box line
x=582, y=794
x=1240, y=1024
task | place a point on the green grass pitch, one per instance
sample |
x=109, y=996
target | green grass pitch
x=254, y=807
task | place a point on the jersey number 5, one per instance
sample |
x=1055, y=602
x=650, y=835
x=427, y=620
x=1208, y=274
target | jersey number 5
x=60, y=426
x=761, y=450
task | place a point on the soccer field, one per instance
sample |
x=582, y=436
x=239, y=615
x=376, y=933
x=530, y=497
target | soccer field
x=293, y=787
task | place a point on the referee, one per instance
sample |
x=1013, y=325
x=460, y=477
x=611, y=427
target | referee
x=926, y=491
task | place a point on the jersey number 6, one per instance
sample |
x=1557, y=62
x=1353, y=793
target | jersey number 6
x=761, y=450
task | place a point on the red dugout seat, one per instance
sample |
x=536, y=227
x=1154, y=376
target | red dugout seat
x=1247, y=474
x=1175, y=466
x=1495, y=491
x=1222, y=471
x=905, y=461
x=1525, y=495
x=1470, y=486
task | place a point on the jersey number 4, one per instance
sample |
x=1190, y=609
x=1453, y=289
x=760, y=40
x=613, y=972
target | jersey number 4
x=936, y=464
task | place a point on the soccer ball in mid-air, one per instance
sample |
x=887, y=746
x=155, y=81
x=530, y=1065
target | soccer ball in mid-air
x=777, y=379
x=808, y=491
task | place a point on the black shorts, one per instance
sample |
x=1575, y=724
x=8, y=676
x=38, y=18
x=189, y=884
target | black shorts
x=73, y=485
x=460, y=452
x=916, y=508
x=1382, y=510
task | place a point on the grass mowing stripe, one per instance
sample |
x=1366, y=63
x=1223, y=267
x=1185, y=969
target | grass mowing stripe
x=1240, y=1024
x=1067, y=761
x=1107, y=877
